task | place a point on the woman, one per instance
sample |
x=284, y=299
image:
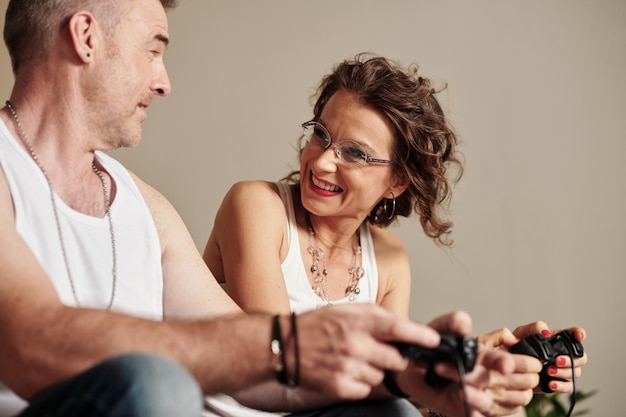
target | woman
x=378, y=147
x=387, y=160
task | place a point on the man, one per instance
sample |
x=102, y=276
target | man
x=106, y=307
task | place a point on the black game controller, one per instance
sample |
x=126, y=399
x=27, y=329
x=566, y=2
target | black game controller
x=547, y=349
x=452, y=348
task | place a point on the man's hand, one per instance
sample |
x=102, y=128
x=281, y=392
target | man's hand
x=344, y=350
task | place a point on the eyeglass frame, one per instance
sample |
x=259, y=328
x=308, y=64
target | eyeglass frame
x=338, y=152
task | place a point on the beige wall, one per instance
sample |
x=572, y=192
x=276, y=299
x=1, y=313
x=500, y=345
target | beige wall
x=536, y=90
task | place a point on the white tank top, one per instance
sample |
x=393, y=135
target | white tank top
x=139, y=287
x=301, y=295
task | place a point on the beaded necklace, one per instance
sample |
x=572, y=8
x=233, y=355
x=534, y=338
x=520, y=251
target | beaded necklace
x=320, y=277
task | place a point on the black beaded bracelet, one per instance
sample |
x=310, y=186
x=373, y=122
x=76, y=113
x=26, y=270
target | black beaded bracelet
x=296, y=350
x=392, y=386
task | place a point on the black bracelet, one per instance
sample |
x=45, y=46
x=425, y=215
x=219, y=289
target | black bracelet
x=392, y=386
x=277, y=348
x=296, y=350
x=433, y=413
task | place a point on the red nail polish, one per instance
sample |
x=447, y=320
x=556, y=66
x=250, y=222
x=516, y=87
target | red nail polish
x=560, y=361
x=553, y=386
x=552, y=370
x=546, y=333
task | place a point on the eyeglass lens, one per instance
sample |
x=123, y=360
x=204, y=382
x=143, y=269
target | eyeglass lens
x=348, y=151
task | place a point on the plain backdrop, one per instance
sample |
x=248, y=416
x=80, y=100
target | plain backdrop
x=536, y=90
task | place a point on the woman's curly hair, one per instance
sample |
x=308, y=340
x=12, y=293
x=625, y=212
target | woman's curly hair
x=424, y=149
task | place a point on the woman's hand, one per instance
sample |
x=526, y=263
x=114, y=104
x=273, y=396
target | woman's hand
x=491, y=389
x=561, y=369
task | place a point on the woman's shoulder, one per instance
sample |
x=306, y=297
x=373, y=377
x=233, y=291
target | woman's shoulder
x=390, y=251
x=253, y=198
x=253, y=186
x=385, y=240
x=394, y=270
x=252, y=191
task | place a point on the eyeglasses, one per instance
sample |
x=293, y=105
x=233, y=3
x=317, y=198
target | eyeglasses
x=348, y=151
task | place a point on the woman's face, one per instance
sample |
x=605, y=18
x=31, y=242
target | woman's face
x=331, y=186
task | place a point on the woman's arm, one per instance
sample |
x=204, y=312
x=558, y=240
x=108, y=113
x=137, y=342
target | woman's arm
x=247, y=244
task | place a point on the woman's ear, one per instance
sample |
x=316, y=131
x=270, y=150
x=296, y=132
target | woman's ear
x=399, y=184
x=82, y=31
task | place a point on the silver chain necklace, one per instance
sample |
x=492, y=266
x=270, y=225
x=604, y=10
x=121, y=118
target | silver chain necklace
x=107, y=207
x=320, y=278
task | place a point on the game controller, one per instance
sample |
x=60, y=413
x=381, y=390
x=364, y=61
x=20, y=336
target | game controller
x=546, y=349
x=452, y=348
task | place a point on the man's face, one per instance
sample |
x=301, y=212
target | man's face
x=131, y=72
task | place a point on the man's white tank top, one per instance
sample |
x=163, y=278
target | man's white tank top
x=87, y=239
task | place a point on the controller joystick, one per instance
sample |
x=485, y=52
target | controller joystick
x=547, y=349
x=452, y=348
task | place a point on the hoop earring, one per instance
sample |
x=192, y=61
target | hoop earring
x=393, y=207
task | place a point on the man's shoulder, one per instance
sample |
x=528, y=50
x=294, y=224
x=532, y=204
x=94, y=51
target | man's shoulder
x=153, y=197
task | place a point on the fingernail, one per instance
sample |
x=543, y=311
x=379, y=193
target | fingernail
x=552, y=370
x=553, y=386
x=546, y=333
x=560, y=361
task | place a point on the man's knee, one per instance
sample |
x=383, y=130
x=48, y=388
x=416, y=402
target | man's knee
x=134, y=385
x=151, y=385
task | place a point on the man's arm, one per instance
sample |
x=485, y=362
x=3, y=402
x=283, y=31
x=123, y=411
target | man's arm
x=342, y=349
x=44, y=341
x=190, y=291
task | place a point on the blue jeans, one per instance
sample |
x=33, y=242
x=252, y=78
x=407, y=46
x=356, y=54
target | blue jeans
x=386, y=408
x=134, y=385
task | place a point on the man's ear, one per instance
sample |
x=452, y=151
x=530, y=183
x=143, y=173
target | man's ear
x=82, y=31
